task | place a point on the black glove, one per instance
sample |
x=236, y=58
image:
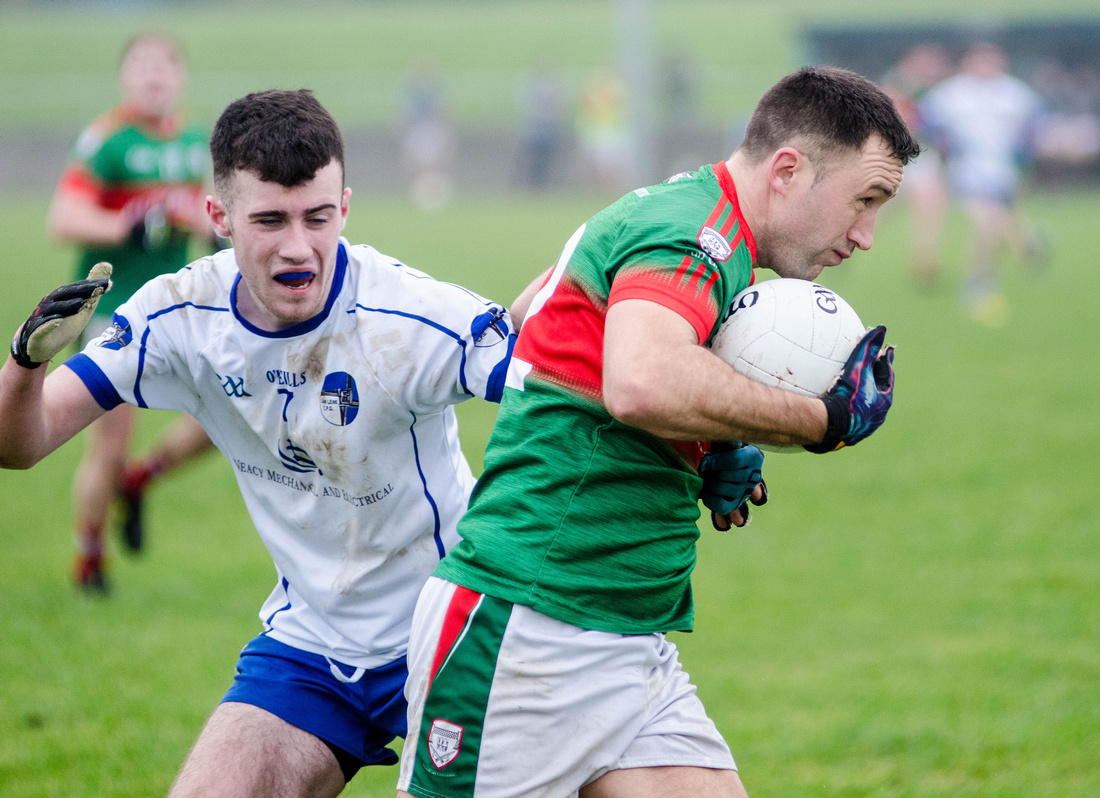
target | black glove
x=861, y=396
x=730, y=472
x=59, y=318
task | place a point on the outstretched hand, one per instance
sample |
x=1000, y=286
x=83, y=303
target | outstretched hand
x=862, y=394
x=59, y=318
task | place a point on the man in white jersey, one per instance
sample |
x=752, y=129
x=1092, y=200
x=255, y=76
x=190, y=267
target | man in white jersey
x=326, y=373
x=986, y=123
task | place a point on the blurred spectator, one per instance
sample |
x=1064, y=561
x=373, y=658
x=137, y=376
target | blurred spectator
x=543, y=136
x=601, y=128
x=428, y=142
x=681, y=113
x=925, y=186
x=1072, y=134
x=987, y=123
x=132, y=194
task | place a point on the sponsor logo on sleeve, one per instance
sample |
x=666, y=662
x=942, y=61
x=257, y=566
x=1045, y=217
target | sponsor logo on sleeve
x=714, y=244
x=490, y=328
x=118, y=335
x=444, y=742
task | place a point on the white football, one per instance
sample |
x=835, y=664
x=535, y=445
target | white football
x=789, y=334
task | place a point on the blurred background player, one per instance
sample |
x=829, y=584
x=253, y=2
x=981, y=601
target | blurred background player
x=986, y=123
x=544, y=138
x=602, y=131
x=925, y=186
x=428, y=141
x=132, y=195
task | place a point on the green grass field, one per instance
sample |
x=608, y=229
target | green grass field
x=917, y=616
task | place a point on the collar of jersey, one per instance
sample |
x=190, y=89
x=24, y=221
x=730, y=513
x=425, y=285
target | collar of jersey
x=725, y=181
x=302, y=327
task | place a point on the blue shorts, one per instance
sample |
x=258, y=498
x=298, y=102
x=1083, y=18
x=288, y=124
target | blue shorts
x=356, y=715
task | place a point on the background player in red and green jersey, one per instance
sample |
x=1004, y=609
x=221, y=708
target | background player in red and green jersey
x=133, y=195
x=586, y=512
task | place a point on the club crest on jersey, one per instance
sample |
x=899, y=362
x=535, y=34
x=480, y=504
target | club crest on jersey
x=444, y=742
x=714, y=244
x=117, y=335
x=339, y=399
x=679, y=176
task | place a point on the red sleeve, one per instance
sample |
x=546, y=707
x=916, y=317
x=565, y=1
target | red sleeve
x=74, y=181
x=687, y=289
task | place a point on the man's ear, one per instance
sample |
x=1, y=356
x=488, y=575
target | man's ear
x=786, y=167
x=344, y=207
x=219, y=216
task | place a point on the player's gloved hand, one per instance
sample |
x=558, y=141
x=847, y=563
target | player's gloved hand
x=59, y=318
x=861, y=396
x=731, y=473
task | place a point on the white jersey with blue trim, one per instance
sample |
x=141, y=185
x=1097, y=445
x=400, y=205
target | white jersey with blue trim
x=340, y=430
x=987, y=129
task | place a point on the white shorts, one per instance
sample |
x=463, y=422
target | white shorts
x=505, y=701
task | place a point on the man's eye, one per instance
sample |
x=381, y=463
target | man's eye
x=317, y=221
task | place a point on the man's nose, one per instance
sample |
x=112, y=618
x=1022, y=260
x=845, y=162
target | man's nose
x=295, y=244
x=862, y=233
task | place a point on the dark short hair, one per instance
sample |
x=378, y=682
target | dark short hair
x=827, y=111
x=283, y=137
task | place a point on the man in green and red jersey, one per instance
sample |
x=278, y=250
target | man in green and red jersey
x=538, y=661
x=132, y=195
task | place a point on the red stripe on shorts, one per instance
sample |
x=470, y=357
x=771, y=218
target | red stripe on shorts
x=462, y=604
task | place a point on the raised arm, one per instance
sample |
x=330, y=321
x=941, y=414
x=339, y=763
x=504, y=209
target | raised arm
x=39, y=413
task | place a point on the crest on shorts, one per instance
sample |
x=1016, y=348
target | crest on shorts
x=714, y=244
x=444, y=742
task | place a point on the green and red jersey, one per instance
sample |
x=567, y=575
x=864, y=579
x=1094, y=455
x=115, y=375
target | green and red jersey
x=118, y=162
x=584, y=518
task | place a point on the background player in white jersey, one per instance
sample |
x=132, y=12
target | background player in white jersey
x=326, y=373
x=987, y=123
x=922, y=67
